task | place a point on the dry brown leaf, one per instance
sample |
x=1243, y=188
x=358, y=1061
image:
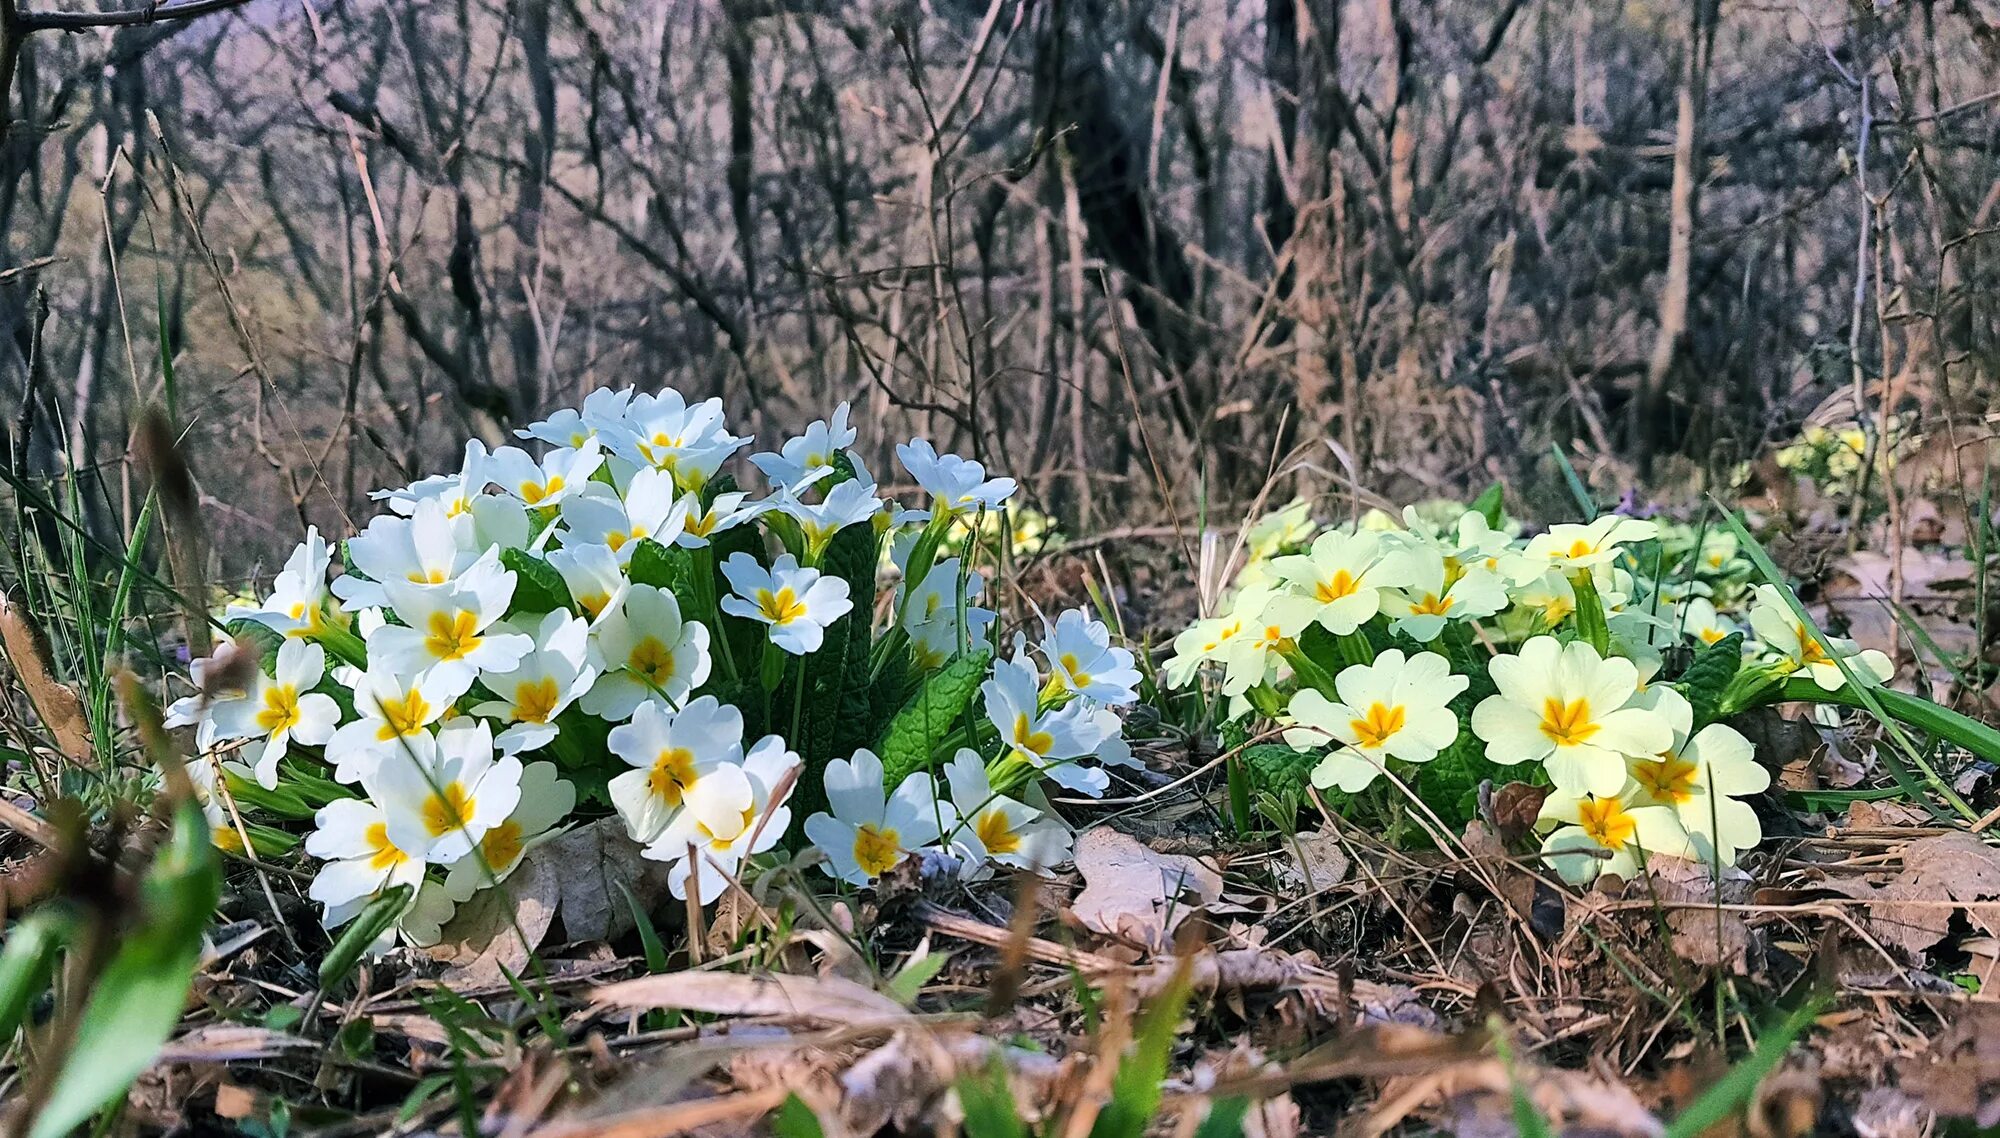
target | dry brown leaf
x=1315, y=861
x=826, y=998
x=230, y=1043
x=1884, y=815
x=1709, y=937
x=500, y=927
x=588, y=862
x=1949, y=867
x=1960, y=1075
x=1136, y=893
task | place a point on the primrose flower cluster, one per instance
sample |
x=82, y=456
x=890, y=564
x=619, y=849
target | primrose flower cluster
x=613, y=626
x=1597, y=658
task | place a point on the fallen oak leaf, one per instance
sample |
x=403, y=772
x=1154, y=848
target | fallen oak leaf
x=1908, y=913
x=498, y=930
x=829, y=999
x=1136, y=893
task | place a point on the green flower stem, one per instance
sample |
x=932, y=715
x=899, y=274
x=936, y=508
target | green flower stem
x=711, y=606
x=1354, y=649
x=1590, y=621
x=772, y=672
x=923, y=555
x=343, y=644
x=1311, y=674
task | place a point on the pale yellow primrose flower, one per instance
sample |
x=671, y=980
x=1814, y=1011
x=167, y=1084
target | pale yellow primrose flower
x=1574, y=712
x=1394, y=708
x=1701, y=779
x=1606, y=834
x=1567, y=546
x=1800, y=650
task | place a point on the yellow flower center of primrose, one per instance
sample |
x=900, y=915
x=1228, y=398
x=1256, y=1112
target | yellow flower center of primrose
x=1607, y=823
x=780, y=608
x=281, y=709
x=448, y=809
x=1567, y=724
x=1375, y=728
x=535, y=700
x=672, y=776
x=403, y=716
x=453, y=634
x=877, y=849
x=996, y=834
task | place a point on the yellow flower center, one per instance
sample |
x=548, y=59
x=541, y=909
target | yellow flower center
x=1026, y=738
x=385, y=855
x=1343, y=584
x=1668, y=778
x=534, y=492
x=616, y=539
x=996, y=834
x=1373, y=729
x=672, y=776
x=704, y=524
x=1555, y=610
x=1431, y=605
x=1580, y=548
x=721, y=843
x=448, y=808
x=502, y=845
x=780, y=608
x=1077, y=677
x=1810, y=650
x=227, y=839
x=1606, y=821
x=593, y=603
x=405, y=716
x=652, y=660
x=281, y=709
x=1710, y=635
x=535, y=700
x=453, y=634
x=877, y=849
x=427, y=576
x=1567, y=724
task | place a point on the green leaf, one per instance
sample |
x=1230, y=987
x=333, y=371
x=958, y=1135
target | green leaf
x=913, y=735
x=663, y=567
x=140, y=994
x=1492, y=505
x=1276, y=768
x=1576, y=488
x=1734, y=1089
x=795, y=1119
x=266, y=639
x=1708, y=676
x=26, y=963
x=837, y=674
x=988, y=1101
x=905, y=986
x=376, y=919
x=1225, y=1118
x=1136, y=1088
x=1449, y=784
x=538, y=588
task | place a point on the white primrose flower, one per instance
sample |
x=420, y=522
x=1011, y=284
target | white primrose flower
x=419, y=549
x=1395, y=708
x=1702, y=779
x=560, y=473
x=1257, y=654
x=1441, y=590
x=671, y=753
x=545, y=681
x=441, y=794
x=1567, y=708
x=956, y=485
x=688, y=441
x=596, y=515
x=796, y=603
x=352, y=838
x=1342, y=576
x=647, y=654
x=454, y=492
x=1567, y=546
x=297, y=604
x=993, y=826
x=210, y=795
x=734, y=814
x=1550, y=596
x=1596, y=835
x=725, y=511
x=870, y=831
x=1718, y=555
x=390, y=708
x=804, y=457
x=593, y=576
x=1799, y=649
x=1049, y=742
x=281, y=709
x=1701, y=623
x=546, y=799
x=1082, y=659
x=422, y=924
x=1214, y=638
x=446, y=629
x=936, y=598
x=849, y=503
